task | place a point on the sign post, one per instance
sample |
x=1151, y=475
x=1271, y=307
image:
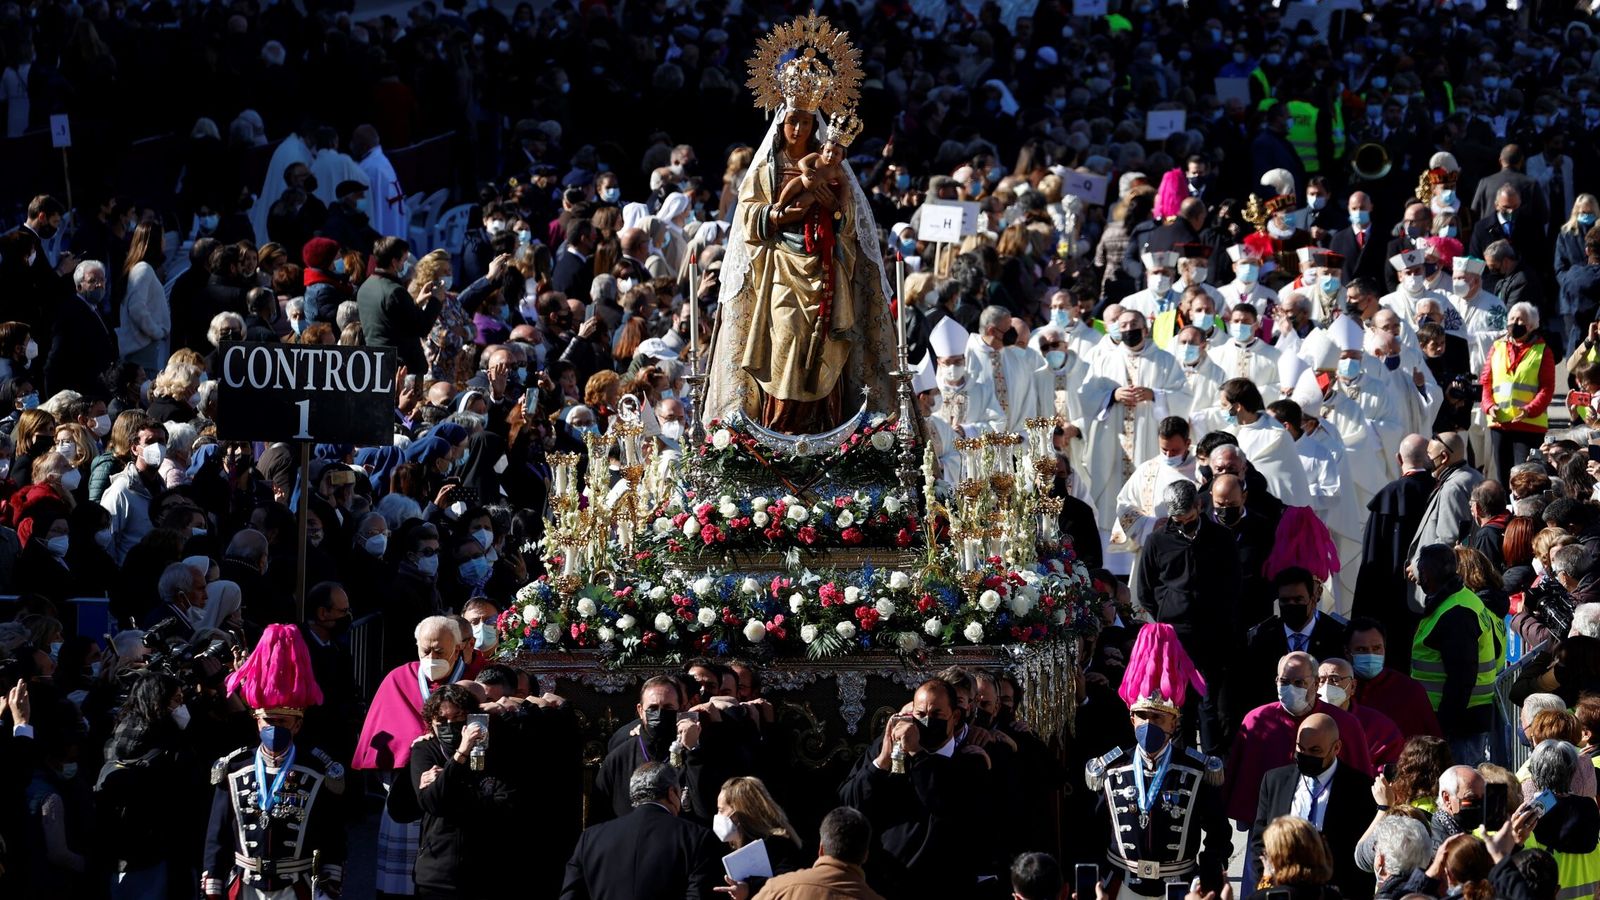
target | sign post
x=305, y=395
x=61, y=136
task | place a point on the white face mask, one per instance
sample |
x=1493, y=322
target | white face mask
x=1294, y=699
x=71, y=479
x=1415, y=284
x=1333, y=695
x=153, y=454
x=723, y=827
x=952, y=374
x=485, y=636
x=181, y=716
x=672, y=431
x=102, y=425
x=435, y=669
x=1160, y=284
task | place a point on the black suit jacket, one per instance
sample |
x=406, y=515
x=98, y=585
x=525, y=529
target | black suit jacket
x=82, y=348
x=1266, y=643
x=572, y=275
x=1350, y=810
x=1359, y=261
x=648, y=853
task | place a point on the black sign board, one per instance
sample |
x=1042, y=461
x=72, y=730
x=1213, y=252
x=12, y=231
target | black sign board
x=289, y=392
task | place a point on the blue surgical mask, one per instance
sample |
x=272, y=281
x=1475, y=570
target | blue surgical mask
x=1173, y=462
x=1241, y=332
x=298, y=326
x=1586, y=219
x=1114, y=332
x=1367, y=665
x=1055, y=359
x=902, y=181
x=1248, y=273
x=1189, y=354
x=611, y=194
x=209, y=223
x=1329, y=284
x=522, y=374
x=474, y=571
x=1061, y=318
x=31, y=401
x=338, y=266
x=1360, y=217
x=376, y=545
x=1349, y=368
x=447, y=282
x=1202, y=321
x=428, y=565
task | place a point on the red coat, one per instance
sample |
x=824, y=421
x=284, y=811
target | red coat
x=1384, y=740
x=1266, y=741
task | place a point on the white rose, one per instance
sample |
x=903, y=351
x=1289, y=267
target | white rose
x=728, y=509
x=1022, y=601
x=586, y=607
x=885, y=607
x=808, y=633
x=760, y=503
x=532, y=613
x=1031, y=577
x=797, y=513
x=899, y=581
x=790, y=500
x=661, y=525
x=707, y=616
x=552, y=633
x=819, y=510
x=659, y=592
x=626, y=623
x=797, y=602
x=691, y=526
x=754, y=631
x=891, y=504
x=933, y=627
x=909, y=641
x=882, y=441
x=852, y=595
x=973, y=632
x=847, y=630
x=725, y=498
x=760, y=519
x=846, y=518
x=989, y=601
x=721, y=438
x=663, y=622
x=750, y=586
x=606, y=633
x=704, y=585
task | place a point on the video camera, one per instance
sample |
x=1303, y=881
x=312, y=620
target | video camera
x=1550, y=605
x=194, y=663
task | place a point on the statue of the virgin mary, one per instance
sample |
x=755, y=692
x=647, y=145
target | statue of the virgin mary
x=803, y=331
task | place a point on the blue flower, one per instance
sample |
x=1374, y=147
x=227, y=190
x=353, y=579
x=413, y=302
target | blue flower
x=866, y=642
x=721, y=647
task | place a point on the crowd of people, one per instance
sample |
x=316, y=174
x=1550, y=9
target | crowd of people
x=1304, y=352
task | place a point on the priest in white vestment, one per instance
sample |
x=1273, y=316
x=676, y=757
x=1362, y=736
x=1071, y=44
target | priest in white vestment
x=1202, y=379
x=1126, y=397
x=1246, y=286
x=1139, y=505
x=1245, y=355
x=993, y=359
x=966, y=404
x=1158, y=296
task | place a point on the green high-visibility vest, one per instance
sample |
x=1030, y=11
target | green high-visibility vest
x=1427, y=665
x=1303, y=136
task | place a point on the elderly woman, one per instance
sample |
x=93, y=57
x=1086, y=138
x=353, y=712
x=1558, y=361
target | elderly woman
x=1518, y=381
x=1295, y=860
x=180, y=444
x=453, y=331
x=169, y=396
x=1557, y=725
x=1570, y=830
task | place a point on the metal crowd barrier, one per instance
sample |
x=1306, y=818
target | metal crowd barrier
x=1510, y=714
x=366, y=652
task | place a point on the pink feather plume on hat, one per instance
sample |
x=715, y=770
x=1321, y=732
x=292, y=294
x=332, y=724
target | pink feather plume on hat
x=1159, y=665
x=277, y=673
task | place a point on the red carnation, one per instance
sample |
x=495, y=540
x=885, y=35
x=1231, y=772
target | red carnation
x=807, y=535
x=902, y=539
x=841, y=501
x=852, y=536
x=828, y=594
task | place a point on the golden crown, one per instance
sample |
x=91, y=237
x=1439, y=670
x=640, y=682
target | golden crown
x=844, y=128
x=808, y=65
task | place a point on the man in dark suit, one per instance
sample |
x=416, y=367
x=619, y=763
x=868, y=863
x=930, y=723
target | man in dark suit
x=1512, y=219
x=1297, y=626
x=1511, y=164
x=82, y=346
x=650, y=852
x=574, y=268
x=1335, y=799
x=1253, y=536
x=1416, y=223
x=1394, y=515
x=1183, y=229
x=1359, y=243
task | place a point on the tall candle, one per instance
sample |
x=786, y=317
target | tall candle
x=900, y=302
x=694, y=311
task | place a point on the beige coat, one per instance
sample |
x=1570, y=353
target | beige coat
x=828, y=879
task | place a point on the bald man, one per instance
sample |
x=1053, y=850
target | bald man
x=1393, y=517
x=1330, y=795
x=1447, y=519
x=1253, y=536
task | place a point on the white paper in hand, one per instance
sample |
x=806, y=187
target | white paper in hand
x=748, y=861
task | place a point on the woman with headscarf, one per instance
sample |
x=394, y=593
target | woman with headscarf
x=656, y=264
x=485, y=453
x=633, y=214
x=379, y=463
x=706, y=234
x=674, y=215
x=433, y=455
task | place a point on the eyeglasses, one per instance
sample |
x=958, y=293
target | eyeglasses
x=427, y=551
x=1332, y=679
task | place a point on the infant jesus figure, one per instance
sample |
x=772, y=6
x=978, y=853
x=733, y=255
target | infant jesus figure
x=821, y=178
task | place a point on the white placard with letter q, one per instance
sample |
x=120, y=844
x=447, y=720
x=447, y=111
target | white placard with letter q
x=941, y=223
x=1090, y=187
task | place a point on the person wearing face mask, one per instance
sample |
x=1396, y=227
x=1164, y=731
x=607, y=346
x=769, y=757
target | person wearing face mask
x=665, y=851
x=1413, y=286
x=152, y=757
x=325, y=630
x=1079, y=328
x=747, y=813
x=1570, y=831
x=1518, y=383
x=1244, y=354
x=468, y=570
x=1267, y=735
x=1056, y=385
x=1151, y=842
x=1321, y=790
x=1336, y=682
x=1358, y=245
x=1139, y=502
x=994, y=359
x=1458, y=650
x=1129, y=391
x=129, y=494
x=1160, y=271
x=1571, y=237
x=1482, y=315
x=1246, y=286
x=1197, y=309
x=1388, y=690
x=1459, y=805
x=82, y=346
x=1297, y=626
x=255, y=786
x=1448, y=517
x=662, y=735
x=967, y=405
x=923, y=814
x=461, y=796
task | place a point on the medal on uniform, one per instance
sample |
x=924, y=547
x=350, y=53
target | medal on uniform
x=1146, y=796
x=267, y=792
